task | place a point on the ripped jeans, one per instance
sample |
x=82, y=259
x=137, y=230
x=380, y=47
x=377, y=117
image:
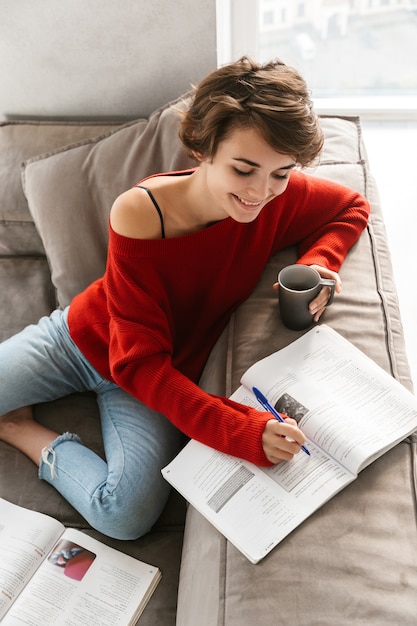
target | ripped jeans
x=122, y=496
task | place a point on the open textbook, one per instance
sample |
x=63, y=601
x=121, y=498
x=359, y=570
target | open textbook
x=351, y=412
x=50, y=576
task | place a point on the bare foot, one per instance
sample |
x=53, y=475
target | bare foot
x=18, y=429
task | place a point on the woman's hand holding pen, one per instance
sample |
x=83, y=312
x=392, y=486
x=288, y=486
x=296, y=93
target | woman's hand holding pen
x=281, y=441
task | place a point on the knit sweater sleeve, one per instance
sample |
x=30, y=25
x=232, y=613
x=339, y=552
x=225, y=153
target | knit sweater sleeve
x=326, y=222
x=141, y=362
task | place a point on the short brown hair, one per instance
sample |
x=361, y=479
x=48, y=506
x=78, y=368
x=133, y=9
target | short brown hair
x=273, y=98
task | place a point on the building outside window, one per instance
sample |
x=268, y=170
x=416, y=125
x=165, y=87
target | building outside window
x=346, y=49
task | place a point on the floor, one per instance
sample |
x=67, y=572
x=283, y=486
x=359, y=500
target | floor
x=392, y=153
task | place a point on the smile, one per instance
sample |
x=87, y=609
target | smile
x=248, y=203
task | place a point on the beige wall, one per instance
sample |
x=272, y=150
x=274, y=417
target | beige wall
x=101, y=58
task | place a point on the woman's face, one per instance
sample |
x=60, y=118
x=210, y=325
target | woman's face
x=245, y=174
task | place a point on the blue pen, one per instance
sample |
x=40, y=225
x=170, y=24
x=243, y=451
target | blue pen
x=268, y=407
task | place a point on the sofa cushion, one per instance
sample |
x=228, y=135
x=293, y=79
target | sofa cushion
x=353, y=561
x=20, y=140
x=70, y=192
x=27, y=292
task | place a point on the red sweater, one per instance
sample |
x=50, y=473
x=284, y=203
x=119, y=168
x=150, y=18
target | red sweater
x=150, y=323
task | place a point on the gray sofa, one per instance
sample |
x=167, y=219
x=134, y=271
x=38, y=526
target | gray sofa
x=352, y=562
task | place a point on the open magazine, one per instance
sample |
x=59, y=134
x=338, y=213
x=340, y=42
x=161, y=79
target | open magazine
x=351, y=412
x=50, y=576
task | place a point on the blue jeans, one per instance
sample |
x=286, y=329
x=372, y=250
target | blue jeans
x=122, y=496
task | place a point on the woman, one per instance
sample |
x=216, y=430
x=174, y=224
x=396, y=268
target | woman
x=185, y=250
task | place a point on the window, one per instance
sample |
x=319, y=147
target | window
x=350, y=51
x=268, y=18
x=301, y=9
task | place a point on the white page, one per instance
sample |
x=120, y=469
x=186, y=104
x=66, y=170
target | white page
x=245, y=503
x=347, y=403
x=25, y=539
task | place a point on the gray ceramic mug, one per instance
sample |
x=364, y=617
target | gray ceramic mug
x=298, y=286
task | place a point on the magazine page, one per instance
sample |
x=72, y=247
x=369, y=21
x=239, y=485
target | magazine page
x=85, y=582
x=342, y=400
x=26, y=537
x=252, y=508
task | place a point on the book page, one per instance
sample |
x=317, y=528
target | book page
x=255, y=508
x=351, y=412
x=26, y=537
x=341, y=399
x=84, y=582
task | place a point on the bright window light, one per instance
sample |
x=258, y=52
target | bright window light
x=355, y=54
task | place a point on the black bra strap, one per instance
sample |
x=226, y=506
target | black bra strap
x=156, y=207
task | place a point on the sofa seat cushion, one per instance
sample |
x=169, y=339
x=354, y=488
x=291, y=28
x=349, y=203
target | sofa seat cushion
x=354, y=560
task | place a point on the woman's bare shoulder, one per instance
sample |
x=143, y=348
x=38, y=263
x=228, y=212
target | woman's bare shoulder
x=134, y=215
